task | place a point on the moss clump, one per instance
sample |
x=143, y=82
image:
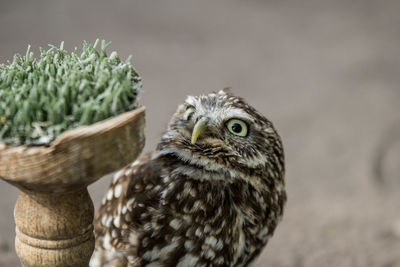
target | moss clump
x=41, y=98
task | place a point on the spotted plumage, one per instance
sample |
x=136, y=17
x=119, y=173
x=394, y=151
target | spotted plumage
x=211, y=194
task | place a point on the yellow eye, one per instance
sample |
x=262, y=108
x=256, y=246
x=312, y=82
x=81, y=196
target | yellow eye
x=188, y=113
x=237, y=127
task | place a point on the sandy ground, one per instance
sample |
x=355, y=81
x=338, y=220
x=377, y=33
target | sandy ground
x=326, y=72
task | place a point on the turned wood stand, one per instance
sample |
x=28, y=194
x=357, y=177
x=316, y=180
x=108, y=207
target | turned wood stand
x=54, y=212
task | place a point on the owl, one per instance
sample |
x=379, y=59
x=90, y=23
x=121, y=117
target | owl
x=211, y=194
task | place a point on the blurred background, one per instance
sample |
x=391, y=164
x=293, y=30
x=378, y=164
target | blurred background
x=327, y=73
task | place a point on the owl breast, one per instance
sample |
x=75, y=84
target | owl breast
x=203, y=221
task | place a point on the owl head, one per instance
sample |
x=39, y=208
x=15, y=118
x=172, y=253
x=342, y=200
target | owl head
x=220, y=132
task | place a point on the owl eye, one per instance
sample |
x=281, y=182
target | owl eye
x=188, y=113
x=237, y=127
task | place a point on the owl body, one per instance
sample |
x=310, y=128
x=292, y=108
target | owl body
x=211, y=194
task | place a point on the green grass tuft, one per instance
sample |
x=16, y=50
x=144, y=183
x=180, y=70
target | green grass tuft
x=41, y=98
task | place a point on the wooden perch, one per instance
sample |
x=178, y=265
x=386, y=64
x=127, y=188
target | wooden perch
x=54, y=212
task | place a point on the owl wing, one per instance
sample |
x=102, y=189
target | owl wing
x=132, y=196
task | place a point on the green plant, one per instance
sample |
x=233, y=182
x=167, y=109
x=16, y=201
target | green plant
x=41, y=98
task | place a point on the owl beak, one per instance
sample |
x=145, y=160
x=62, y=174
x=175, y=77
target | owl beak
x=199, y=128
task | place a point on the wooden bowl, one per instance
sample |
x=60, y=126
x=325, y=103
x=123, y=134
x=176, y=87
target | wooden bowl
x=78, y=157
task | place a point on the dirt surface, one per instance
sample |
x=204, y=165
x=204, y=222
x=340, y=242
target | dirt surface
x=326, y=72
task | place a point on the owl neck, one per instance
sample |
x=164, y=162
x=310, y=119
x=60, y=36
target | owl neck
x=184, y=163
x=186, y=183
x=181, y=163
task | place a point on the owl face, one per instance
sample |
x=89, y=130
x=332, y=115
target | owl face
x=221, y=131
